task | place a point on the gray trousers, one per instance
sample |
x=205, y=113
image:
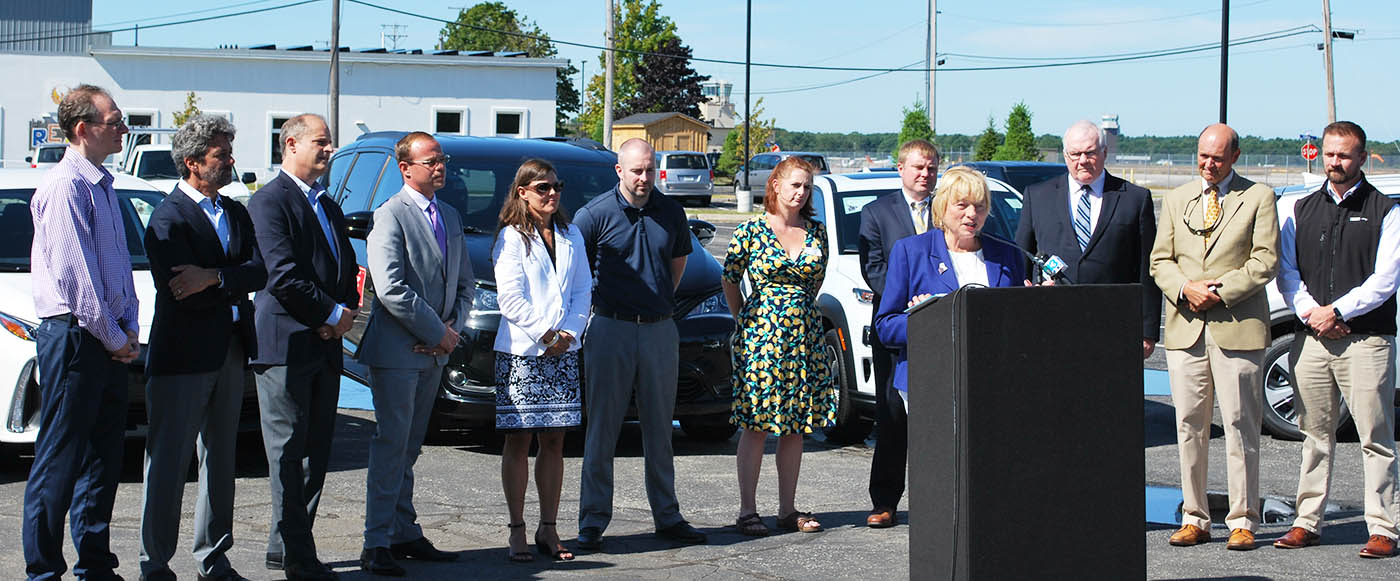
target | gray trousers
x=182, y=409
x=297, y=403
x=403, y=401
x=622, y=359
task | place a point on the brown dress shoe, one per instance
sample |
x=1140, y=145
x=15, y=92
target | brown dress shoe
x=1241, y=540
x=881, y=518
x=1190, y=535
x=1297, y=538
x=1378, y=547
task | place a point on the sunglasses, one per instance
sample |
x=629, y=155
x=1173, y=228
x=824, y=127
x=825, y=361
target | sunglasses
x=544, y=188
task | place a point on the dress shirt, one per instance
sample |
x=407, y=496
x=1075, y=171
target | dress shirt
x=1358, y=301
x=422, y=202
x=909, y=202
x=214, y=211
x=316, y=195
x=1221, y=188
x=1095, y=198
x=80, y=261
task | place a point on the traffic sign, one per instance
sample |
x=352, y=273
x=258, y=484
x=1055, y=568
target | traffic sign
x=1309, y=151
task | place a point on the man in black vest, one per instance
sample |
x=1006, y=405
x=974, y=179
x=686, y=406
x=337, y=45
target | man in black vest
x=1341, y=261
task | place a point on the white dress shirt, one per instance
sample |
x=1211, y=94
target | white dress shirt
x=1358, y=301
x=909, y=202
x=1076, y=191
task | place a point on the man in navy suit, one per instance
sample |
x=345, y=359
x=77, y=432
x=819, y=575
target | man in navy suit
x=883, y=222
x=205, y=261
x=1102, y=226
x=310, y=301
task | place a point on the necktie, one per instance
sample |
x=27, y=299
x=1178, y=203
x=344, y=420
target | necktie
x=1082, y=228
x=1212, y=216
x=317, y=205
x=920, y=216
x=438, y=231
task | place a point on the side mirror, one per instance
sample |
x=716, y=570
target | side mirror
x=249, y=178
x=358, y=224
x=28, y=159
x=704, y=231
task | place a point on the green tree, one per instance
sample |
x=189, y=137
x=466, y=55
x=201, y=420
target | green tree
x=1020, y=140
x=492, y=26
x=638, y=28
x=191, y=109
x=988, y=141
x=733, y=155
x=915, y=127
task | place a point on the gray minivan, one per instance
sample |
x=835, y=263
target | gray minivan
x=762, y=165
x=685, y=176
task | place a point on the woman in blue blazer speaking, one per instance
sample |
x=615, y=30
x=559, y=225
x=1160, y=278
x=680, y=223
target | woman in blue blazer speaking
x=947, y=257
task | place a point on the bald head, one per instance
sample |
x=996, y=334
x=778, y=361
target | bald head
x=1217, y=149
x=636, y=169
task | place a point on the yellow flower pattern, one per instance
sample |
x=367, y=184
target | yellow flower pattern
x=782, y=379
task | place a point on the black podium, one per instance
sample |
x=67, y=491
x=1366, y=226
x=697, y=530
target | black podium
x=1026, y=434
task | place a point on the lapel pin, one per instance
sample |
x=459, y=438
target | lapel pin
x=942, y=268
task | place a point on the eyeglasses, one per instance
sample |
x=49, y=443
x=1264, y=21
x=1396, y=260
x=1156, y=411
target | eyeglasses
x=117, y=123
x=1090, y=153
x=544, y=188
x=433, y=162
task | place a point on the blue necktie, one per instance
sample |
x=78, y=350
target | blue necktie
x=1082, y=228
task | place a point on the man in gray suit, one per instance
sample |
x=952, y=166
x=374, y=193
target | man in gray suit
x=423, y=282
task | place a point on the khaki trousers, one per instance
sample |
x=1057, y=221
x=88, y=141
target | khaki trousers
x=1359, y=369
x=1200, y=376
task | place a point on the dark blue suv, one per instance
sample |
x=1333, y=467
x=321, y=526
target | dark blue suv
x=364, y=174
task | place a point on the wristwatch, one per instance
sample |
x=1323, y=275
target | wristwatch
x=1338, y=312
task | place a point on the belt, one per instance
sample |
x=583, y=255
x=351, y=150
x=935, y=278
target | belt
x=64, y=318
x=628, y=317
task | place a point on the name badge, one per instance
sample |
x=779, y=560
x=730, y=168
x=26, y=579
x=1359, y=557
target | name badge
x=811, y=251
x=1359, y=219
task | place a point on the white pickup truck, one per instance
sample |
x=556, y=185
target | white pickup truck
x=152, y=162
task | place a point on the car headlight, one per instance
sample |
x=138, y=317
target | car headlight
x=17, y=327
x=864, y=296
x=485, y=301
x=714, y=304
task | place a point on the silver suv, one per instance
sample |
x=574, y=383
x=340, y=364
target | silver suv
x=685, y=176
x=761, y=166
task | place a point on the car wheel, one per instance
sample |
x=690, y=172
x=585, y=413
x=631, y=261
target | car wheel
x=703, y=201
x=1280, y=414
x=849, y=427
x=710, y=428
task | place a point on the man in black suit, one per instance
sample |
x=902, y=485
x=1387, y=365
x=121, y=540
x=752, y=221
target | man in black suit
x=1101, y=226
x=205, y=261
x=310, y=301
x=882, y=223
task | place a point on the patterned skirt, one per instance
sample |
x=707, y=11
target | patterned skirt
x=540, y=394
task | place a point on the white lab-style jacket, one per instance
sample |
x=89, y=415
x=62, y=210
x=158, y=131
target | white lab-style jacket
x=534, y=296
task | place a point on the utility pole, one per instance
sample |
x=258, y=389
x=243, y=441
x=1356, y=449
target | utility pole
x=931, y=59
x=335, y=74
x=1327, y=60
x=608, y=84
x=390, y=40
x=1224, y=53
x=742, y=195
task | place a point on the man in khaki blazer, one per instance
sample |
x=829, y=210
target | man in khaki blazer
x=1216, y=249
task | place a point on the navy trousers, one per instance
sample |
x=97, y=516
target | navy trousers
x=78, y=453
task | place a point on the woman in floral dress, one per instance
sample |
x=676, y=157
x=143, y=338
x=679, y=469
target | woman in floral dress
x=782, y=379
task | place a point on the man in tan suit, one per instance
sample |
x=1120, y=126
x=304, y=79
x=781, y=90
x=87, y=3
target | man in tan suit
x=1216, y=249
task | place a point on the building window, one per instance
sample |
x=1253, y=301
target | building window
x=141, y=120
x=511, y=123
x=276, y=133
x=449, y=121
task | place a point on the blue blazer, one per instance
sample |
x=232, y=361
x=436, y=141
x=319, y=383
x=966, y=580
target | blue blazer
x=914, y=269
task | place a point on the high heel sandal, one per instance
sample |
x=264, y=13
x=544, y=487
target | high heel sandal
x=522, y=556
x=559, y=552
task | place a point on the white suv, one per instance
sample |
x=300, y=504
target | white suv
x=845, y=299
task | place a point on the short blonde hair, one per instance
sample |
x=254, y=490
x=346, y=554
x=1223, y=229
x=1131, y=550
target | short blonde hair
x=958, y=184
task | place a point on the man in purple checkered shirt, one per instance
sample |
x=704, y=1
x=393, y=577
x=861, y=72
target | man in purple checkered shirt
x=84, y=293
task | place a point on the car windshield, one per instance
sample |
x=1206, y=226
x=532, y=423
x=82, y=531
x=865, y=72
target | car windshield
x=815, y=160
x=1021, y=176
x=51, y=154
x=17, y=227
x=1005, y=215
x=477, y=188
x=157, y=165
x=686, y=161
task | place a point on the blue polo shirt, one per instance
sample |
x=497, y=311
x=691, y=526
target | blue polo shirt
x=630, y=250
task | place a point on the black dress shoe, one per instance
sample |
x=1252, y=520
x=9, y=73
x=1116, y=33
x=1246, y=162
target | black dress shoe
x=379, y=561
x=308, y=571
x=229, y=575
x=420, y=549
x=273, y=562
x=590, y=538
x=682, y=532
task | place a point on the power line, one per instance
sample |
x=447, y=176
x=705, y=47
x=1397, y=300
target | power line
x=185, y=13
x=1095, y=23
x=1205, y=45
x=161, y=25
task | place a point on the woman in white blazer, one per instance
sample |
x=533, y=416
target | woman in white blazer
x=544, y=289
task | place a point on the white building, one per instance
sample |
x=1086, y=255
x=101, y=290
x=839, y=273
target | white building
x=718, y=110
x=258, y=88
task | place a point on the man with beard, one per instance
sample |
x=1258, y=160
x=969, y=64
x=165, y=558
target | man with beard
x=205, y=261
x=1341, y=260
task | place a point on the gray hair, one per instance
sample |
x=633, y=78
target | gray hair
x=1086, y=126
x=77, y=106
x=194, y=139
x=296, y=127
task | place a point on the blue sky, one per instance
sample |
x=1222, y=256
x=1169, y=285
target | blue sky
x=1277, y=88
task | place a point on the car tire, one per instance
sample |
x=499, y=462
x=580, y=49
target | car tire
x=709, y=428
x=1280, y=415
x=850, y=427
x=703, y=201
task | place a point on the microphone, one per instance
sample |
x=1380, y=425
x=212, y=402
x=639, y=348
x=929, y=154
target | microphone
x=1051, y=267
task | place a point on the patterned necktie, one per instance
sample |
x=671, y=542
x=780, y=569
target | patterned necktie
x=1082, y=228
x=1212, y=217
x=920, y=216
x=438, y=231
